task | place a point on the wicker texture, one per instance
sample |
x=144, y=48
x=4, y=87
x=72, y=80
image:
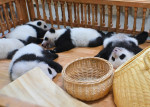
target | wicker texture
x=88, y=78
x=131, y=84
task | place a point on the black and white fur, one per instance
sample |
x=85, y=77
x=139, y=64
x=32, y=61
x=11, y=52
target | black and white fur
x=31, y=32
x=66, y=39
x=8, y=45
x=32, y=56
x=118, y=48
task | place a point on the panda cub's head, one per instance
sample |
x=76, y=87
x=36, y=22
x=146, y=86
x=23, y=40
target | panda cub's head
x=39, y=23
x=119, y=55
x=49, y=38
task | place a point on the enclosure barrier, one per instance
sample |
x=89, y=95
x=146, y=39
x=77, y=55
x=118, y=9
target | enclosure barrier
x=73, y=13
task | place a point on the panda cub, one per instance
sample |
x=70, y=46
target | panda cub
x=118, y=48
x=32, y=56
x=31, y=32
x=66, y=39
x=9, y=45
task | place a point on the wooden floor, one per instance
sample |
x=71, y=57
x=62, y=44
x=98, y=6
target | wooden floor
x=64, y=58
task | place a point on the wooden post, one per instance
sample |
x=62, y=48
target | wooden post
x=24, y=12
x=31, y=10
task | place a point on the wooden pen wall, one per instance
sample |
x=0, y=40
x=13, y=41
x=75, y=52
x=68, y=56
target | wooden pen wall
x=74, y=13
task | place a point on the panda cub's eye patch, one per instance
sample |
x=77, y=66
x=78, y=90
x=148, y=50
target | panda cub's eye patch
x=122, y=56
x=113, y=58
x=45, y=26
x=46, y=38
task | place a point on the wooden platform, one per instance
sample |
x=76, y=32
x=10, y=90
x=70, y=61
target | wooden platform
x=64, y=58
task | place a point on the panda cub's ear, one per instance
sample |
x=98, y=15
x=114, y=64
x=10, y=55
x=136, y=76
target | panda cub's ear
x=52, y=30
x=39, y=23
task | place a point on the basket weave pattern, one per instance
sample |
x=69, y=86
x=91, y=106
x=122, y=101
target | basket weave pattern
x=131, y=84
x=88, y=79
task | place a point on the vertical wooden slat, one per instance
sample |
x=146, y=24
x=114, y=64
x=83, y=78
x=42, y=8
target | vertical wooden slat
x=31, y=9
x=109, y=16
x=82, y=21
x=6, y=17
x=1, y=26
x=96, y=14
x=93, y=8
x=78, y=17
x=85, y=13
x=24, y=10
x=43, y=7
x=70, y=13
x=12, y=14
x=37, y=9
x=9, y=15
x=103, y=6
x=126, y=19
x=135, y=16
x=1, y=14
x=101, y=15
x=63, y=14
x=89, y=16
x=50, y=12
x=19, y=11
x=118, y=19
x=56, y=11
x=143, y=20
x=75, y=13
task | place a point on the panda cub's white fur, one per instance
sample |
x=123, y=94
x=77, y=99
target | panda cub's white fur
x=66, y=39
x=9, y=45
x=29, y=57
x=33, y=29
x=118, y=48
x=82, y=36
x=120, y=37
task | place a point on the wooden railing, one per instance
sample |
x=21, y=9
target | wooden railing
x=12, y=13
x=74, y=13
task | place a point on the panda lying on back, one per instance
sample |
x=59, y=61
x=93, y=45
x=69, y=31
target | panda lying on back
x=32, y=56
x=66, y=39
x=118, y=48
x=31, y=32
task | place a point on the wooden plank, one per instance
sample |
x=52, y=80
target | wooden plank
x=6, y=101
x=40, y=90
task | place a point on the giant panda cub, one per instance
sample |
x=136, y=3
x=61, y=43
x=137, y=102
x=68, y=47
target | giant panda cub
x=118, y=48
x=66, y=39
x=32, y=56
x=31, y=32
x=7, y=46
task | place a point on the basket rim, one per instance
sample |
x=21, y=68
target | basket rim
x=101, y=79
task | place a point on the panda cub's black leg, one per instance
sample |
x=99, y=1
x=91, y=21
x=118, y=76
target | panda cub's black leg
x=97, y=42
x=34, y=40
x=63, y=47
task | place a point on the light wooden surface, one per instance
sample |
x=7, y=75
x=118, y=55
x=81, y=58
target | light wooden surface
x=64, y=58
x=37, y=88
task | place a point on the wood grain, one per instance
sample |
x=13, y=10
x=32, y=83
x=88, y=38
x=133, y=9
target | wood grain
x=36, y=88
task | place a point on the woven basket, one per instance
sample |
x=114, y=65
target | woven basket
x=88, y=78
x=131, y=84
